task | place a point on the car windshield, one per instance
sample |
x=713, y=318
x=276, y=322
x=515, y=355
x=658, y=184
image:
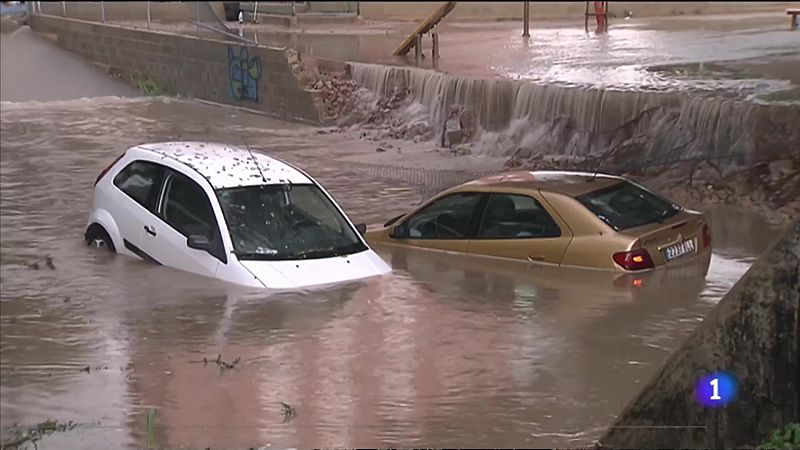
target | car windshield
x=626, y=205
x=280, y=222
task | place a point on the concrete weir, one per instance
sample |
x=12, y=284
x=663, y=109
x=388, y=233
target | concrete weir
x=754, y=333
x=527, y=119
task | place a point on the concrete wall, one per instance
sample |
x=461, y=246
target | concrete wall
x=188, y=65
x=513, y=10
x=753, y=332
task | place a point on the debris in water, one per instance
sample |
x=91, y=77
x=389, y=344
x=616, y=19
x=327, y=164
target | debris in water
x=223, y=364
x=288, y=411
x=49, y=263
x=37, y=432
x=86, y=369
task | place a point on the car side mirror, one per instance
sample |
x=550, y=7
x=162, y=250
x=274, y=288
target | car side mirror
x=199, y=242
x=361, y=228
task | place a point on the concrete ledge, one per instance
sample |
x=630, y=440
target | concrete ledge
x=256, y=77
x=753, y=333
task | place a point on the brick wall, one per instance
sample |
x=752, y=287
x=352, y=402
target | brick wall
x=198, y=68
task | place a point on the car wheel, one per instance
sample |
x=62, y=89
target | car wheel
x=97, y=237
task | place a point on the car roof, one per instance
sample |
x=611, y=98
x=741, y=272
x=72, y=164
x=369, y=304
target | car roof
x=226, y=166
x=560, y=182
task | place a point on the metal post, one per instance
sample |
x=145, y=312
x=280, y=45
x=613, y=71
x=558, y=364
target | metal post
x=148, y=15
x=418, y=48
x=255, y=13
x=64, y=8
x=294, y=11
x=526, y=13
x=435, y=43
x=198, y=19
x=103, y=11
x=358, y=9
x=586, y=18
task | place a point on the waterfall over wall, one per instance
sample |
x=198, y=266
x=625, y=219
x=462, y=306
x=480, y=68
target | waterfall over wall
x=630, y=128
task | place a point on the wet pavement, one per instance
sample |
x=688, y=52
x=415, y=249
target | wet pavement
x=738, y=55
x=445, y=351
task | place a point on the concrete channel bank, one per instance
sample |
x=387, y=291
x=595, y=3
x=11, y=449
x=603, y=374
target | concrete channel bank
x=255, y=77
x=754, y=333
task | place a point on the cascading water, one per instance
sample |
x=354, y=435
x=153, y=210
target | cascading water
x=630, y=129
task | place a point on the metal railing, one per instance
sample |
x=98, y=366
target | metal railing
x=198, y=18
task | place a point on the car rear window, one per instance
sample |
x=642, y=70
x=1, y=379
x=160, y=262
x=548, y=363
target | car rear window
x=626, y=205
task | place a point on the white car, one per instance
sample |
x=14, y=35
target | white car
x=228, y=213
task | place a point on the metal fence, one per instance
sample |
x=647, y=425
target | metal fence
x=197, y=18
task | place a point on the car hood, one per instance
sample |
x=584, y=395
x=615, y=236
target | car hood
x=304, y=273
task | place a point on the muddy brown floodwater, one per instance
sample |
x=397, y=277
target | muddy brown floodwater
x=445, y=351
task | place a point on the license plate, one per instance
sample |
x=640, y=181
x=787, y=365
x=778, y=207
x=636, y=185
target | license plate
x=679, y=249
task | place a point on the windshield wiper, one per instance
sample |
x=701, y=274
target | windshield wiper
x=671, y=209
x=258, y=256
x=330, y=252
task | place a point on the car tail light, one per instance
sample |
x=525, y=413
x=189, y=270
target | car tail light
x=706, y=236
x=99, y=177
x=634, y=260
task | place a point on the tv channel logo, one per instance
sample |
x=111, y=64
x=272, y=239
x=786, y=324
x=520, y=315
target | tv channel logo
x=717, y=389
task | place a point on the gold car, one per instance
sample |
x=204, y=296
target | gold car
x=559, y=218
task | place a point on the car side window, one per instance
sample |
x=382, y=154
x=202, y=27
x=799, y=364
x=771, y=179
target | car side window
x=446, y=218
x=511, y=216
x=186, y=207
x=141, y=181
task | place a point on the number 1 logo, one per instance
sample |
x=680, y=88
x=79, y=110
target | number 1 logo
x=714, y=389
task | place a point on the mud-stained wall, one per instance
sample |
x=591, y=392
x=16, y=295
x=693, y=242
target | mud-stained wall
x=513, y=10
x=256, y=77
x=753, y=333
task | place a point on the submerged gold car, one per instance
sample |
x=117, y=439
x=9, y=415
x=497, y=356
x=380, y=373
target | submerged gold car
x=559, y=218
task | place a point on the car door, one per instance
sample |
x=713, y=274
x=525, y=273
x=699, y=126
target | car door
x=133, y=201
x=184, y=209
x=518, y=226
x=444, y=224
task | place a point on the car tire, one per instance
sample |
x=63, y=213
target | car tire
x=97, y=237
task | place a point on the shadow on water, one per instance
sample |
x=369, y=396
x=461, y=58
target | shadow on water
x=444, y=350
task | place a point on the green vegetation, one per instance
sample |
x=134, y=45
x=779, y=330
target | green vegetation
x=786, y=438
x=146, y=85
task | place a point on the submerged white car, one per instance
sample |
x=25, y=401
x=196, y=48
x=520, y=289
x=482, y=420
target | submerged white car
x=228, y=213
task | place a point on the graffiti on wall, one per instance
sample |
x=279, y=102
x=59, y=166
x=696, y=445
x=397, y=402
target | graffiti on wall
x=244, y=74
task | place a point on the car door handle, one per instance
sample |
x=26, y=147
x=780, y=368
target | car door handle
x=533, y=258
x=150, y=230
